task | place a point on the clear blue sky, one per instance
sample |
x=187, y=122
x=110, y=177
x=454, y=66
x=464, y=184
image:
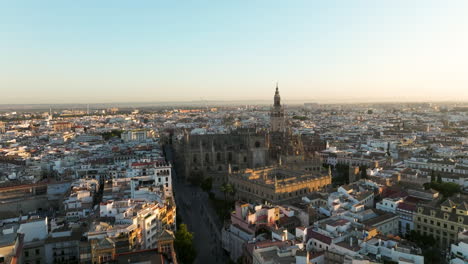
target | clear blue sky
x=114, y=51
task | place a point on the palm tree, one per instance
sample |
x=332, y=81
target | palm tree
x=226, y=188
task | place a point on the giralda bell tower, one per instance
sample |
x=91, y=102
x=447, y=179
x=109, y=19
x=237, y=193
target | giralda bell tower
x=277, y=119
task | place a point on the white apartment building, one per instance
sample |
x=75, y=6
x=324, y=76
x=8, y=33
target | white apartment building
x=459, y=252
x=389, y=204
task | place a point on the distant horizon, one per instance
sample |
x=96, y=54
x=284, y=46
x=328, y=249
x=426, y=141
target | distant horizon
x=250, y=101
x=261, y=102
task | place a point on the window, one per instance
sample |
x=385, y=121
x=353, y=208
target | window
x=26, y=253
x=38, y=251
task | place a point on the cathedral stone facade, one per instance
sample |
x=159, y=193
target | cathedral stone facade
x=201, y=156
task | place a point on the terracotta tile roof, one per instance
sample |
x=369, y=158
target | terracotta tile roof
x=322, y=238
x=406, y=207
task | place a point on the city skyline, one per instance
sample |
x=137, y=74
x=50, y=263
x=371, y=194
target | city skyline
x=56, y=52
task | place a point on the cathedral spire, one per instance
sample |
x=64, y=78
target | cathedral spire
x=277, y=98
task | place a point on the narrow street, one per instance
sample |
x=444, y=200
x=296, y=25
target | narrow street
x=195, y=211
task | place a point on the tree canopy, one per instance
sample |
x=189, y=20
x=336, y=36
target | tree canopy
x=447, y=189
x=207, y=184
x=185, y=249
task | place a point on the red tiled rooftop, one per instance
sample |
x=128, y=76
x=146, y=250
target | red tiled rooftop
x=406, y=206
x=135, y=164
x=322, y=238
x=411, y=199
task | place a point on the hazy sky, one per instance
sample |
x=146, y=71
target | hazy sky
x=107, y=51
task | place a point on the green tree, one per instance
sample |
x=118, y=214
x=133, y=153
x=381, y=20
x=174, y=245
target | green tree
x=433, y=177
x=363, y=172
x=428, y=245
x=207, y=184
x=183, y=244
x=388, y=149
x=447, y=189
x=227, y=189
x=300, y=117
x=439, y=178
x=113, y=133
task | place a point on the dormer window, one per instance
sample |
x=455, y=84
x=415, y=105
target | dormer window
x=446, y=216
x=432, y=213
x=420, y=210
x=460, y=219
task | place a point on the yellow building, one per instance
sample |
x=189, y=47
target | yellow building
x=276, y=184
x=2, y=127
x=443, y=221
x=102, y=250
x=62, y=126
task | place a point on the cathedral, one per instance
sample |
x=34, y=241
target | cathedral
x=216, y=156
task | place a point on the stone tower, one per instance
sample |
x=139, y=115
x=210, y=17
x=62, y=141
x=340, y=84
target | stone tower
x=277, y=119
